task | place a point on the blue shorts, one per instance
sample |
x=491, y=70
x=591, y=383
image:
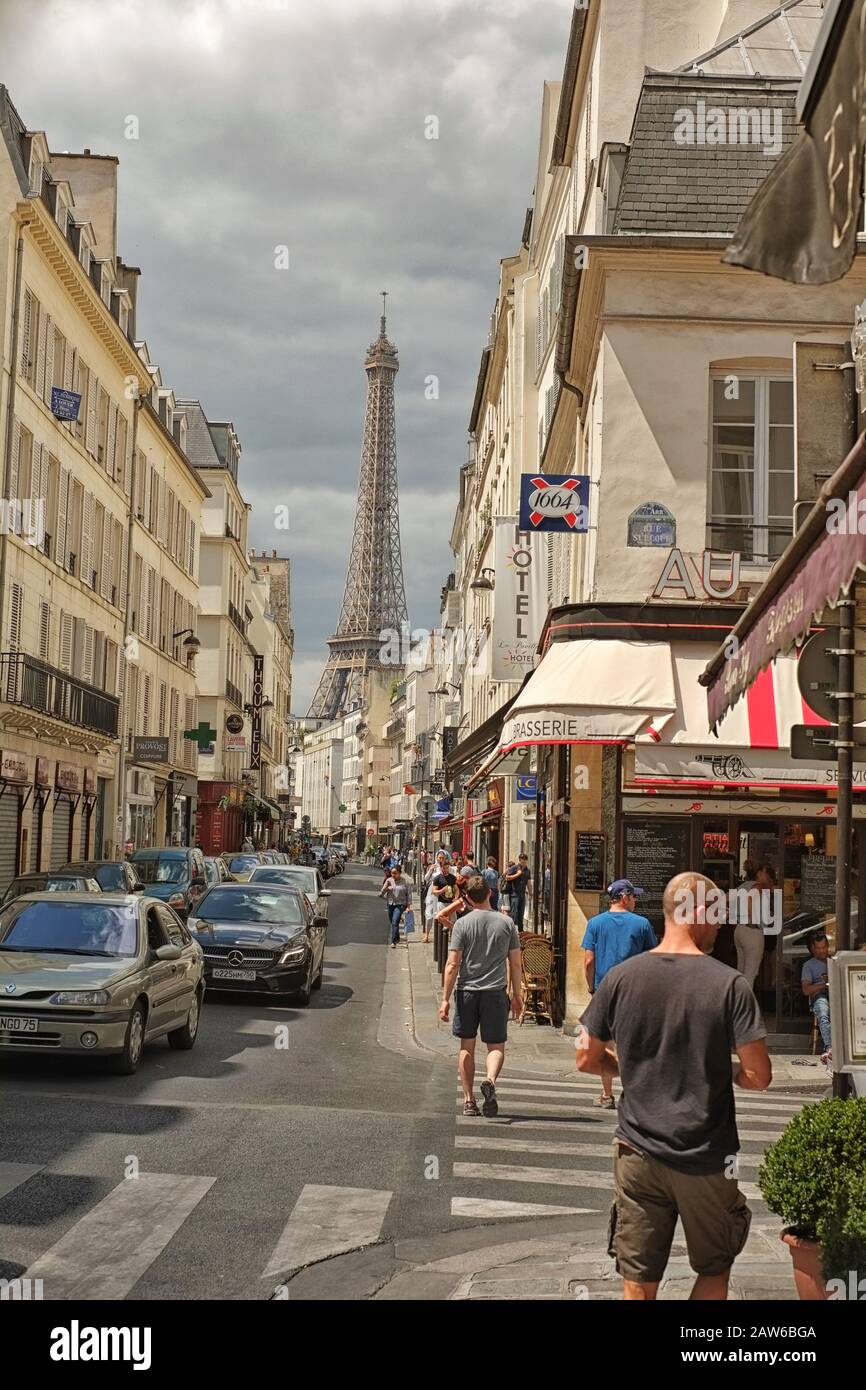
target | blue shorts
x=484, y=1008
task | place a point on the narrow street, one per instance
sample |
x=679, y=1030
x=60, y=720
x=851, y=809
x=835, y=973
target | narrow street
x=255, y=1161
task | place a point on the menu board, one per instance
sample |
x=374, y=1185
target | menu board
x=656, y=850
x=818, y=882
x=589, y=862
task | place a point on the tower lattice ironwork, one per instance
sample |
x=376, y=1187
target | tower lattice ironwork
x=374, y=600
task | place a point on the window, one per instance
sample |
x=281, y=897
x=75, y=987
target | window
x=29, y=334
x=752, y=485
x=15, y=600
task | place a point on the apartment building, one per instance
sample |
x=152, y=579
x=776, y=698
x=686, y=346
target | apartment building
x=272, y=638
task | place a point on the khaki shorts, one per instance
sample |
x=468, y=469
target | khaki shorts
x=650, y=1196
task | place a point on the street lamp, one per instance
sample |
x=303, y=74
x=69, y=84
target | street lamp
x=192, y=645
x=484, y=582
x=445, y=688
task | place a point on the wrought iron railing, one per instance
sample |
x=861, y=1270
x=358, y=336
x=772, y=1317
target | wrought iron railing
x=233, y=694
x=33, y=684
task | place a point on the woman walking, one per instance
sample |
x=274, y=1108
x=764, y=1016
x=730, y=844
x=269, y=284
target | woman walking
x=397, y=892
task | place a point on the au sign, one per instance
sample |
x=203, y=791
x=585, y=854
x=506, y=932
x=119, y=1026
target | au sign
x=715, y=574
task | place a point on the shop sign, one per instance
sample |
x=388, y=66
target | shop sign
x=68, y=777
x=235, y=743
x=714, y=574
x=494, y=794
x=652, y=524
x=90, y=781
x=234, y=724
x=519, y=601
x=554, y=502
x=525, y=788
x=258, y=700
x=150, y=750
x=14, y=766
x=43, y=772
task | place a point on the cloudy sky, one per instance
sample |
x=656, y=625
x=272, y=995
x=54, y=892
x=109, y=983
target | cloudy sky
x=301, y=123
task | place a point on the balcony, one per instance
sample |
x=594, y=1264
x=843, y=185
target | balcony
x=233, y=694
x=31, y=684
x=236, y=618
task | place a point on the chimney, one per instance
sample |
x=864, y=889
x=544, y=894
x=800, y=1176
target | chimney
x=273, y=555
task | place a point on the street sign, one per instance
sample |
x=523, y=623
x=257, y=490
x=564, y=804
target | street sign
x=818, y=679
x=817, y=743
x=426, y=808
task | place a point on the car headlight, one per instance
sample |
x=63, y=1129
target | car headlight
x=192, y=923
x=296, y=953
x=176, y=900
x=80, y=996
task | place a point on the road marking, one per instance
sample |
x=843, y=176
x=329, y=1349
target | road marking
x=105, y=1253
x=529, y=1146
x=517, y=1124
x=578, y=1106
x=480, y=1206
x=557, y=1177
x=12, y=1175
x=328, y=1221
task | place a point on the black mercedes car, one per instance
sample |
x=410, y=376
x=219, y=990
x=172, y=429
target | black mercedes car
x=260, y=938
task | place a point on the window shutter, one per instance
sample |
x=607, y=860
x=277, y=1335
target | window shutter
x=40, y=354
x=60, y=548
x=66, y=641
x=48, y=361
x=121, y=568
x=163, y=691
x=86, y=569
x=112, y=439
x=163, y=512
x=14, y=460
x=189, y=746
x=164, y=615
x=150, y=581
x=191, y=557
x=44, y=631
x=110, y=680
x=137, y=594
x=145, y=713
x=68, y=368
x=92, y=404
x=87, y=663
x=107, y=567
x=15, y=594
x=27, y=322
x=98, y=676
x=173, y=730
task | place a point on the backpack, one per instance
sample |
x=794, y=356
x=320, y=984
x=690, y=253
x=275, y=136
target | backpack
x=503, y=884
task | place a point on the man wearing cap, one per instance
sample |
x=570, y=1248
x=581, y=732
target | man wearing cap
x=612, y=937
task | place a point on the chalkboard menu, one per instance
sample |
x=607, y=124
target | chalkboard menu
x=589, y=862
x=655, y=850
x=818, y=882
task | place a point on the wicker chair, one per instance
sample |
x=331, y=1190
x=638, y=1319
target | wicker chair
x=536, y=954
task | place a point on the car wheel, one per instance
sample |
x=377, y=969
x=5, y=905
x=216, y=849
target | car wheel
x=317, y=983
x=183, y=1038
x=126, y=1062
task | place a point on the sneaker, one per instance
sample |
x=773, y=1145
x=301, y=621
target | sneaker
x=490, y=1106
x=606, y=1102
x=470, y=1107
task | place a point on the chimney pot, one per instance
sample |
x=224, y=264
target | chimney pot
x=87, y=151
x=273, y=555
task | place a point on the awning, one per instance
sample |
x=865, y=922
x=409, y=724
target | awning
x=479, y=743
x=501, y=763
x=815, y=570
x=593, y=691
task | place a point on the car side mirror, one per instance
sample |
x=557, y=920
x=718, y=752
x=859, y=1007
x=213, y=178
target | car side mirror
x=138, y=888
x=320, y=922
x=326, y=892
x=168, y=953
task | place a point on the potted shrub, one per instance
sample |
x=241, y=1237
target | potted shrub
x=814, y=1177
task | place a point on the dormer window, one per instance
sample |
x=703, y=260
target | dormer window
x=105, y=285
x=123, y=315
x=61, y=215
x=37, y=169
x=84, y=254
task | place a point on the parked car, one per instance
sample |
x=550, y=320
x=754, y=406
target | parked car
x=263, y=938
x=99, y=975
x=296, y=875
x=175, y=876
x=112, y=875
x=216, y=870
x=241, y=863
x=55, y=882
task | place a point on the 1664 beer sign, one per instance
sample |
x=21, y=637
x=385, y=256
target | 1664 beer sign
x=554, y=502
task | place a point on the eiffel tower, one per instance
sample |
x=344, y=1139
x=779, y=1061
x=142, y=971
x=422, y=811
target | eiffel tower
x=374, y=601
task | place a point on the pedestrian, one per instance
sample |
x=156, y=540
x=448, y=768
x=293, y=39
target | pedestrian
x=673, y=1016
x=397, y=892
x=483, y=945
x=749, y=935
x=491, y=878
x=431, y=906
x=518, y=878
x=815, y=984
x=247, y=845
x=610, y=938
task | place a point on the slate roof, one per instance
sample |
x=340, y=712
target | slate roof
x=698, y=188
x=199, y=445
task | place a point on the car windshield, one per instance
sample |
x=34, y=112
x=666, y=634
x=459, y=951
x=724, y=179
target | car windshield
x=162, y=869
x=212, y=873
x=304, y=878
x=110, y=878
x=69, y=928
x=251, y=904
x=61, y=885
x=242, y=862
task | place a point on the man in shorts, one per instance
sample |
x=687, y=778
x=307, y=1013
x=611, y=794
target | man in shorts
x=483, y=944
x=673, y=1016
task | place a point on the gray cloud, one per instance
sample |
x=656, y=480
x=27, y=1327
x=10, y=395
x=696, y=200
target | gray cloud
x=265, y=123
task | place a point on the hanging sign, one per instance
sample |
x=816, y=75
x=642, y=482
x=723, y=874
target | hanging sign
x=258, y=698
x=519, y=601
x=554, y=502
x=65, y=405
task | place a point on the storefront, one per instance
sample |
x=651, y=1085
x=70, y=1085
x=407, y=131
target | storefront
x=68, y=791
x=219, y=818
x=15, y=790
x=140, y=808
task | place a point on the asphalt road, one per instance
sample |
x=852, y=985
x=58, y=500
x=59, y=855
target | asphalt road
x=240, y=1169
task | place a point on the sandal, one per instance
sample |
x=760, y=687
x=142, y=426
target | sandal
x=470, y=1107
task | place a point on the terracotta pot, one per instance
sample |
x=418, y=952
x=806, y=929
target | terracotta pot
x=806, y=1256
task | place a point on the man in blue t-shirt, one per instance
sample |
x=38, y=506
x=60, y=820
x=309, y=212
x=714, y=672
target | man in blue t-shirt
x=611, y=938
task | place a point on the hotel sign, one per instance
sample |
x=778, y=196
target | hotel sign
x=519, y=601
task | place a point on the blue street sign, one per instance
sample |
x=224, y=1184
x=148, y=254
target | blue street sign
x=526, y=788
x=554, y=502
x=652, y=524
x=65, y=405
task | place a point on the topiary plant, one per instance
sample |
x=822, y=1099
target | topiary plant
x=814, y=1177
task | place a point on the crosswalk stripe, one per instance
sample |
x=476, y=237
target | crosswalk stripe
x=580, y=1150
x=575, y=1094
x=481, y=1206
x=12, y=1175
x=582, y=1124
x=556, y=1177
x=105, y=1253
x=517, y=1105
x=327, y=1221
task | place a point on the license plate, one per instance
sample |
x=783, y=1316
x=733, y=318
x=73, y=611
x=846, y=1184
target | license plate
x=219, y=974
x=11, y=1023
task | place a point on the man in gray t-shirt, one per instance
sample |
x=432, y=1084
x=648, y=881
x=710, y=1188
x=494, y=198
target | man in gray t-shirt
x=483, y=944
